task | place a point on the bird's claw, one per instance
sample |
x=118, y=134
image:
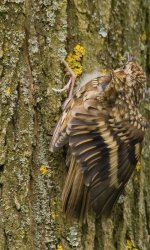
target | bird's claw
x=70, y=85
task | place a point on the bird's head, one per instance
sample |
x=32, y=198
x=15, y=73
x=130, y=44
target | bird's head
x=132, y=81
x=135, y=72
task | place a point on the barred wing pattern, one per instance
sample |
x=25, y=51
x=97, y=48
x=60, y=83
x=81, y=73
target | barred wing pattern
x=105, y=141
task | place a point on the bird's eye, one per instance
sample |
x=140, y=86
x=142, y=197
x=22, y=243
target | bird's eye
x=124, y=67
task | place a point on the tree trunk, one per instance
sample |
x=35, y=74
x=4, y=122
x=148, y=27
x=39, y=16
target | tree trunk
x=34, y=37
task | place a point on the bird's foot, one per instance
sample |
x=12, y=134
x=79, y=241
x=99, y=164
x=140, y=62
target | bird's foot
x=70, y=85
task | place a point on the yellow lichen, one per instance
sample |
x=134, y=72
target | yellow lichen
x=129, y=246
x=8, y=91
x=74, y=59
x=53, y=215
x=59, y=247
x=78, y=49
x=43, y=169
x=138, y=166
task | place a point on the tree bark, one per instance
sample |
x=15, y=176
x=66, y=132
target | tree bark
x=34, y=37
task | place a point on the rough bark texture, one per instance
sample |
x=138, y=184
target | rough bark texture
x=34, y=37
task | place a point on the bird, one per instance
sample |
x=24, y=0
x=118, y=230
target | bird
x=104, y=130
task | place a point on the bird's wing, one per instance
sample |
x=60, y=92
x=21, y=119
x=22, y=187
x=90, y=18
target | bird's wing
x=60, y=137
x=107, y=147
x=94, y=87
x=106, y=151
x=104, y=140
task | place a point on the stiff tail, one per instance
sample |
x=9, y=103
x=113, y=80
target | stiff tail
x=75, y=193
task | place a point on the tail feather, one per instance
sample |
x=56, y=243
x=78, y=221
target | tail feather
x=75, y=193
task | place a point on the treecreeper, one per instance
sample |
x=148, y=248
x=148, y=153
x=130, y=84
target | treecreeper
x=104, y=130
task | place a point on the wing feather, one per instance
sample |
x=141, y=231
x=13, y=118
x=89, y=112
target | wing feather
x=106, y=155
x=105, y=146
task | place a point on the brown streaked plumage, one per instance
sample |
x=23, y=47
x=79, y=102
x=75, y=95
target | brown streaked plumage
x=104, y=130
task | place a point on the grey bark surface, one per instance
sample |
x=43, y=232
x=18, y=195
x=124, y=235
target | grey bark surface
x=34, y=37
